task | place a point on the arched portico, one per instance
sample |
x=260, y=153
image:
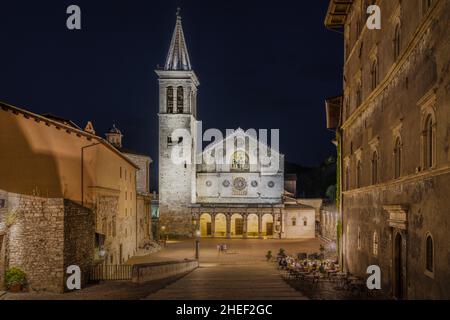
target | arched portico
x=237, y=225
x=267, y=225
x=206, y=228
x=253, y=225
x=220, y=222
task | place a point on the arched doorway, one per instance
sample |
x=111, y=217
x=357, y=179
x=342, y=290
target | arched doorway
x=252, y=225
x=267, y=225
x=237, y=225
x=398, y=267
x=205, y=225
x=220, y=225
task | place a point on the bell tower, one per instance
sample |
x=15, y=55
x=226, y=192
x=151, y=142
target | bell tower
x=177, y=110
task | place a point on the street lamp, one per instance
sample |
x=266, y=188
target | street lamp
x=197, y=244
x=163, y=228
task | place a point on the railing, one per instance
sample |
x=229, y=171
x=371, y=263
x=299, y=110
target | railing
x=111, y=272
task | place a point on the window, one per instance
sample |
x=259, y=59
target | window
x=359, y=238
x=375, y=244
x=169, y=100
x=398, y=158
x=347, y=178
x=120, y=172
x=374, y=74
x=429, y=254
x=397, y=42
x=169, y=140
x=426, y=5
x=114, y=226
x=305, y=222
x=358, y=96
x=294, y=221
x=359, y=174
x=240, y=161
x=180, y=99
x=375, y=168
x=429, y=142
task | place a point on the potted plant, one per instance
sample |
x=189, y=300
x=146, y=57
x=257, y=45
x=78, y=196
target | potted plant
x=281, y=253
x=269, y=255
x=15, y=279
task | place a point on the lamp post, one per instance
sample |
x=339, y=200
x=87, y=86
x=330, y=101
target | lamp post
x=197, y=244
x=163, y=228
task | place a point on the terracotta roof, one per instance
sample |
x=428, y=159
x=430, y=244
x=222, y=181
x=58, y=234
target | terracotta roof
x=68, y=127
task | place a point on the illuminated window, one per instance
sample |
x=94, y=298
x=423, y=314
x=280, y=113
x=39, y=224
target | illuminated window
x=240, y=161
x=375, y=244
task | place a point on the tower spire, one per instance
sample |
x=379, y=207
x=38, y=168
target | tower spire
x=178, y=56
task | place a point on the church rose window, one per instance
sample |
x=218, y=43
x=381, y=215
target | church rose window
x=239, y=183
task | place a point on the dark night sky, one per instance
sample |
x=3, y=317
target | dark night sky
x=260, y=64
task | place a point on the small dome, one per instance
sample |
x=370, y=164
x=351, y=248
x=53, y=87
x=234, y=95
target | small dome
x=114, y=130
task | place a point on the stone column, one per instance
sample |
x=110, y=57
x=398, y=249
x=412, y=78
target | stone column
x=244, y=228
x=213, y=224
x=228, y=226
x=260, y=225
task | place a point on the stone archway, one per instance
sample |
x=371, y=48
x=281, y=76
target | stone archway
x=206, y=225
x=220, y=222
x=237, y=225
x=252, y=225
x=267, y=225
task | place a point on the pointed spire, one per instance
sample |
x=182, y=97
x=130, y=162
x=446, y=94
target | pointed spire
x=178, y=57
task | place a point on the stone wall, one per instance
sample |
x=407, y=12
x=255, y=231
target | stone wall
x=79, y=226
x=143, y=174
x=44, y=236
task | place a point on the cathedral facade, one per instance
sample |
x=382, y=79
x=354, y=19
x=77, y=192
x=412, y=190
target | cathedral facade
x=232, y=188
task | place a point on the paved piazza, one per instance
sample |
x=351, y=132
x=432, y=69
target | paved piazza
x=242, y=273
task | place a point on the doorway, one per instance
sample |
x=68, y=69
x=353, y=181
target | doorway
x=398, y=267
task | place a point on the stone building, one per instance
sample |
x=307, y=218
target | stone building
x=392, y=134
x=143, y=197
x=52, y=158
x=225, y=190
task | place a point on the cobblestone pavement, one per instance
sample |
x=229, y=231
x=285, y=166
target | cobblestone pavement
x=241, y=273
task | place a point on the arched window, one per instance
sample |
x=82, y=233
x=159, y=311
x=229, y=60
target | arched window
x=398, y=158
x=358, y=95
x=429, y=137
x=375, y=244
x=359, y=239
x=426, y=5
x=429, y=253
x=359, y=174
x=347, y=178
x=294, y=221
x=374, y=74
x=397, y=41
x=180, y=99
x=240, y=161
x=169, y=100
x=374, y=167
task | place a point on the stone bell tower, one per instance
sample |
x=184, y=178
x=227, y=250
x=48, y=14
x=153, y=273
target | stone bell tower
x=177, y=110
